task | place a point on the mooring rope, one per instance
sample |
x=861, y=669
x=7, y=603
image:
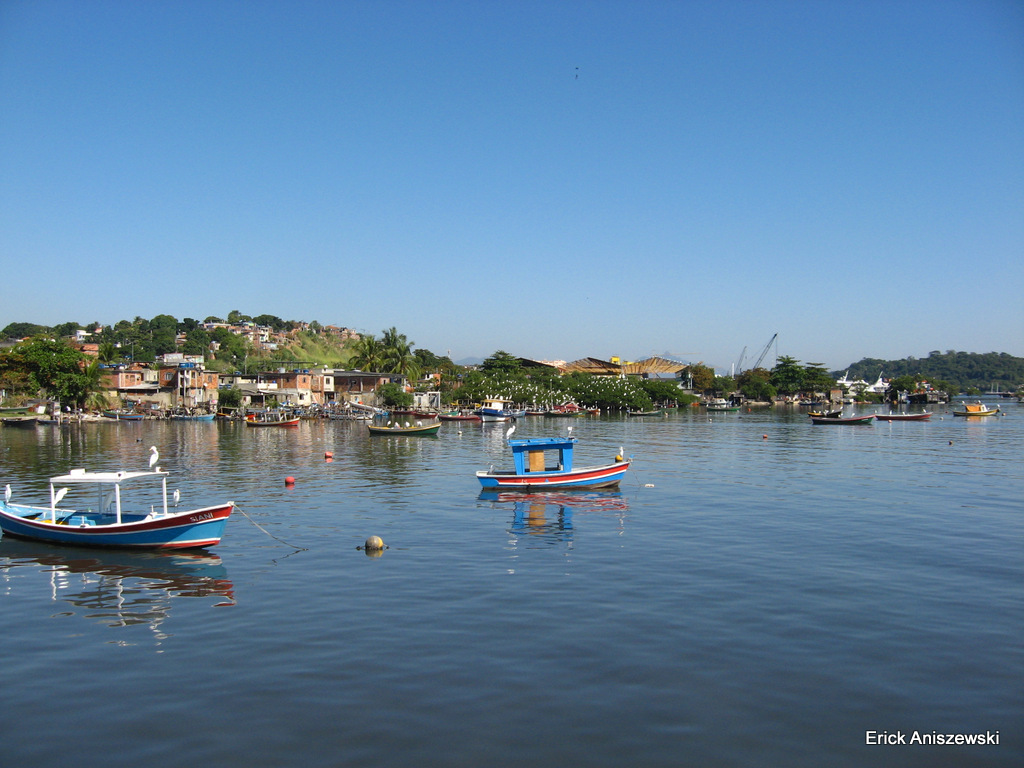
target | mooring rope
x=277, y=538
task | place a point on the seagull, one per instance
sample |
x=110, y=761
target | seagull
x=155, y=457
x=7, y=494
x=177, y=496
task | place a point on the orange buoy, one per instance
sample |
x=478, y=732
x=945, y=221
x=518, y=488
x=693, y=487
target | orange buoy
x=289, y=480
x=328, y=455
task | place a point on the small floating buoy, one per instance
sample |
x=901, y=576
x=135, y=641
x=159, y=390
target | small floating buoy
x=764, y=437
x=950, y=442
x=328, y=455
x=374, y=543
x=289, y=480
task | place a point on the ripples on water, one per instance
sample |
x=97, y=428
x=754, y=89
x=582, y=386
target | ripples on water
x=759, y=592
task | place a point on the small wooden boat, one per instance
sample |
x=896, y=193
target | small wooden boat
x=495, y=409
x=103, y=519
x=193, y=416
x=123, y=416
x=392, y=428
x=271, y=419
x=25, y=421
x=721, y=404
x=869, y=419
x=976, y=409
x=458, y=416
x=825, y=414
x=923, y=416
x=547, y=463
x=655, y=412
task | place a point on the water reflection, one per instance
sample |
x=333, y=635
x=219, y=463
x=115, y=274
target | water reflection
x=116, y=588
x=548, y=516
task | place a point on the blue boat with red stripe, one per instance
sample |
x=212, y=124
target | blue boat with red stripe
x=546, y=463
x=101, y=518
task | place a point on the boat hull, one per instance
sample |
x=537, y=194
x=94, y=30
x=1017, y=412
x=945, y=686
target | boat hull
x=850, y=420
x=903, y=416
x=607, y=476
x=990, y=412
x=282, y=423
x=489, y=414
x=182, y=530
x=426, y=429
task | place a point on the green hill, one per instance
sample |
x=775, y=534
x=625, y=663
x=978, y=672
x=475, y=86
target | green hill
x=984, y=371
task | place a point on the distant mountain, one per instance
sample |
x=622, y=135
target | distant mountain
x=469, y=361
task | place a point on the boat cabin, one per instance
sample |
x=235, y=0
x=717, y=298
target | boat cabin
x=542, y=454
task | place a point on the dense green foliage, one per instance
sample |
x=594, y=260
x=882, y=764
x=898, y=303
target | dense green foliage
x=42, y=367
x=538, y=387
x=392, y=395
x=962, y=370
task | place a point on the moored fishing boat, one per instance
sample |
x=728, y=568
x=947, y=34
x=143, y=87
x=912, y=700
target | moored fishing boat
x=193, y=416
x=458, y=416
x=869, y=419
x=397, y=428
x=976, y=409
x=721, y=404
x=124, y=415
x=495, y=409
x=547, y=463
x=103, y=520
x=923, y=416
x=26, y=421
x=271, y=419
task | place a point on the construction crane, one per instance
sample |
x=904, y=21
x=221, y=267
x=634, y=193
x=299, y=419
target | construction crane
x=739, y=363
x=765, y=350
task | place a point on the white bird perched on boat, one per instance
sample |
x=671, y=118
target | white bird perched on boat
x=177, y=496
x=511, y=429
x=7, y=493
x=155, y=456
x=60, y=495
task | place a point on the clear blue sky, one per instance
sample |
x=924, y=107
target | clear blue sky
x=553, y=179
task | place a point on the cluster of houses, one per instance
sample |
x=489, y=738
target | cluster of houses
x=181, y=381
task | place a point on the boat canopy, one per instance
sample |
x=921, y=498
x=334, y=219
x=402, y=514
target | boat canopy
x=530, y=454
x=81, y=476
x=102, y=479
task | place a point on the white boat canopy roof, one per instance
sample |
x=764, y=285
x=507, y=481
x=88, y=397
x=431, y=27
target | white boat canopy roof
x=112, y=478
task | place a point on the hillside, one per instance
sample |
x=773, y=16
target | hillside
x=313, y=349
x=984, y=371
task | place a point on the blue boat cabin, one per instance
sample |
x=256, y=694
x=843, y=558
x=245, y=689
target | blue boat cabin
x=542, y=454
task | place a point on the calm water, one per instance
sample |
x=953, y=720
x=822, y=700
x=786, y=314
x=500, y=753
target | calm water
x=762, y=592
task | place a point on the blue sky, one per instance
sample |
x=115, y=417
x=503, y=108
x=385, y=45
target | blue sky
x=556, y=179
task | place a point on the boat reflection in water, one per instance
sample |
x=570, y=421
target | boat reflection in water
x=120, y=588
x=548, y=516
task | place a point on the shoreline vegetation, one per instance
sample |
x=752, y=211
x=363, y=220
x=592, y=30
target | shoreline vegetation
x=67, y=363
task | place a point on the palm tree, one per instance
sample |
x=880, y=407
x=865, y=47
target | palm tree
x=398, y=354
x=107, y=352
x=369, y=353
